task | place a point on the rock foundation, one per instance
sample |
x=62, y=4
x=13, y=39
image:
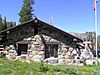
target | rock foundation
x=35, y=52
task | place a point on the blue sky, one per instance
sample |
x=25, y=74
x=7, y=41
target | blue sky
x=68, y=15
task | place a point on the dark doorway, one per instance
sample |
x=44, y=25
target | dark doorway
x=51, y=49
x=22, y=47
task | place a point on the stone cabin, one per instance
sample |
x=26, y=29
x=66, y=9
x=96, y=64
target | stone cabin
x=40, y=40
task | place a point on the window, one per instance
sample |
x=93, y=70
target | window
x=51, y=50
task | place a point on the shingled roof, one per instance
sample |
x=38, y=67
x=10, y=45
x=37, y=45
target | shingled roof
x=41, y=25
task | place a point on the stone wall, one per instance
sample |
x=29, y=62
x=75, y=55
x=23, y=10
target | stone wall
x=66, y=54
x=36, y=51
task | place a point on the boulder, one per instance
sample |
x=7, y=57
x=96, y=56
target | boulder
x=30, y=56
x=18, y=58
x=8, y=57
x=11, y=51
x=66, y=56
x=15, y=53
x=34, y=52
x=37, y=58
x=89, y=62
x=67, y=61
x=24, y=57
x=5, y=52
x=61, y=61
x=68, y=53
x=63, y=54
x=41, y=53
x=51, y=60
x=77, y=61
x=13, y=56
x=11, y=46
x=60, y=57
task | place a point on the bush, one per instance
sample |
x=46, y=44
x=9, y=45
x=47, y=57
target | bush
x=97, y=70
x=22, y=68
x=43, y=67
x=67, y=69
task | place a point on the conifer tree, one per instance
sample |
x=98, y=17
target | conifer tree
x=1, y=23
x=26, y=11
x=5, y=24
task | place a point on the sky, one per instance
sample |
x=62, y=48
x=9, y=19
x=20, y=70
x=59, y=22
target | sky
x=68, y=15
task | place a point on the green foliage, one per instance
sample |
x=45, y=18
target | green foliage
x=26, y=11
x=71, y=70
x=4, y=24
x=96, y=70
x=90, y=70
x=22, y=68
x=43, y=67
x=1, y=23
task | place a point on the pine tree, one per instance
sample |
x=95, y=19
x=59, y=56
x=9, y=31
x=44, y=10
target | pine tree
x=11, y=24
x=1, y=23
x=5, y=24
x=26, y=11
